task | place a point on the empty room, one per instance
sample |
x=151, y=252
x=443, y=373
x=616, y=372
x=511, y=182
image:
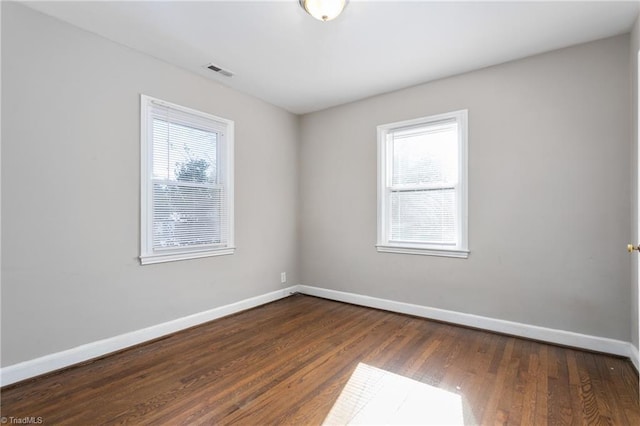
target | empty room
x=319, y=212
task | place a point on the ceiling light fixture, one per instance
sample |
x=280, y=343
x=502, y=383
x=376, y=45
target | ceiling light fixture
x=323, y=10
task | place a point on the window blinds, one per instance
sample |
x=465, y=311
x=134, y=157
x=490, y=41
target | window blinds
x=189, y=193
x=422, y=183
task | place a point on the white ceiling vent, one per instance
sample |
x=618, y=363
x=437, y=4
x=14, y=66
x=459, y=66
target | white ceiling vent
x=219, y=70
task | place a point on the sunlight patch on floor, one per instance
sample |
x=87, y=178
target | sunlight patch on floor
x=374, y=396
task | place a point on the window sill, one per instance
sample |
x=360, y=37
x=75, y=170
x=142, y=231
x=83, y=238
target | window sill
x=461, y=254
x=171, y=257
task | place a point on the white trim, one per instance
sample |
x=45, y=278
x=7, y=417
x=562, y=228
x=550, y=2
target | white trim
x=463, y=121
x=48, y=363
x=636, y=354
x=170, y=257
x=560, y=337
x=460, y=254
x=229, y=151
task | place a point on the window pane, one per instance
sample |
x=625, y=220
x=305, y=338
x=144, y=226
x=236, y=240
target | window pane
x=426, y=155
x=186, y=215
x=183, y=153
x=426, y=216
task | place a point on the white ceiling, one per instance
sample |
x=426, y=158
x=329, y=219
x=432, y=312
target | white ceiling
x=283, y=56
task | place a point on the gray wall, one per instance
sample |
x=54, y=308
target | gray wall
x=70, y=191
x=550, y=206
x=549, y=194
x=635, y=45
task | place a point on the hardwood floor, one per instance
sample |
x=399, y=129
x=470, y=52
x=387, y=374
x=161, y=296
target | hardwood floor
x=302, y=360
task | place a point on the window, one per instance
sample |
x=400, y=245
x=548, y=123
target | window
x=422, y=186
x=186, y=184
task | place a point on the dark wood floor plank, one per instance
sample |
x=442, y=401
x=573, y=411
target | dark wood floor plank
x=476, y=393
x=560, y=411
x=288, y=362
x=492, y=414
x=542, y=387
x=530, y=389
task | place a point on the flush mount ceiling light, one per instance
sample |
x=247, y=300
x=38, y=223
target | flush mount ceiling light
x=323, y=10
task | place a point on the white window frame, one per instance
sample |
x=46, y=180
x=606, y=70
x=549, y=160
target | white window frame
x=148, y=254
x=385, y=160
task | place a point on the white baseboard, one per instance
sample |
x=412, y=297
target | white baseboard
x=35, y=367
x=561, y=337
x=48, y=363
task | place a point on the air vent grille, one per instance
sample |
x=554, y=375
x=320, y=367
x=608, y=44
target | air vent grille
x=219, y=70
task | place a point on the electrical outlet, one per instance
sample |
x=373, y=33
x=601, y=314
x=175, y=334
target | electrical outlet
x=283, y=277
